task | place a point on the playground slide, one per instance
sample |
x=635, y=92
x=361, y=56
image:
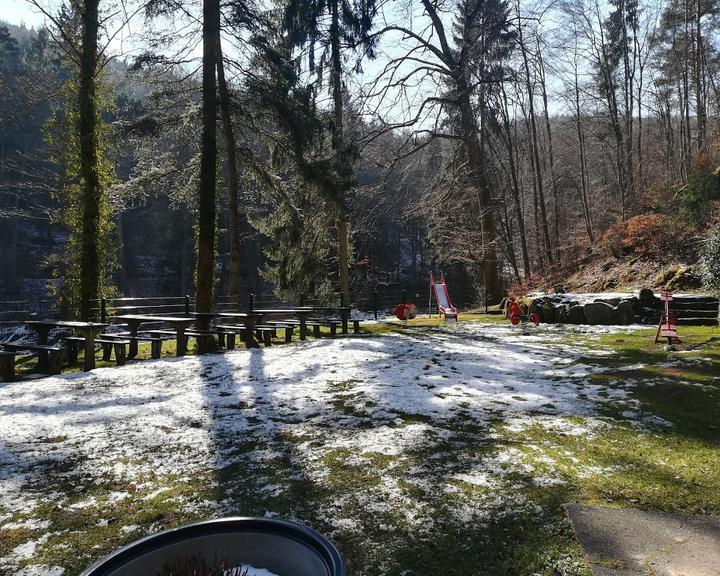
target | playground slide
x=443, y=299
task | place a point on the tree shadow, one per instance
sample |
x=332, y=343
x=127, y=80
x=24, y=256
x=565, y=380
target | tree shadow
x=292, y=460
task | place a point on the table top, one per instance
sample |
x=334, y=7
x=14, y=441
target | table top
x=327, y=307
x=65, y=323
x=146, y=318
x=283, y=311
x=238, y=314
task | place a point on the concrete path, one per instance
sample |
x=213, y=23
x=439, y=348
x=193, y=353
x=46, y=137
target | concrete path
x=632, y=542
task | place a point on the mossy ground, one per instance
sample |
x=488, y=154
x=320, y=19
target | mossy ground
x=653, y=442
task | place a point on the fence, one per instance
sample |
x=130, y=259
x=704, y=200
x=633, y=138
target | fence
x=378, y=301
x=14, y=311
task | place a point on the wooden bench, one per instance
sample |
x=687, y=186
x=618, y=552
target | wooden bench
x=265, y=333
x=7, y=365
x=54, y=353
x=333, y=323
x=110, y=344
x=226, y=334
x=202, y=337
x=315, y=325
x=156, y=339
x=287, y=325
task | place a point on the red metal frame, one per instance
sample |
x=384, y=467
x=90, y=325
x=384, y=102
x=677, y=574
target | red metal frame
x=448, y=310
x=667, y=328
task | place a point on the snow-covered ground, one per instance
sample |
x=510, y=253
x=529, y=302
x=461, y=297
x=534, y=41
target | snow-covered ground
x=386, y=405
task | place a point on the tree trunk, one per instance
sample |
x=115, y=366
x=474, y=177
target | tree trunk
x=551, y=155
x=515, y=186
x=91, y=193
x=535, y=144
x=629, y=98
x=686, y=89
x=477, y=174
x=584, y=197
x=699, y=83
x=122, y=277
x=343, y=168
x=185, y=253
x=233, y=180
x=205, y=266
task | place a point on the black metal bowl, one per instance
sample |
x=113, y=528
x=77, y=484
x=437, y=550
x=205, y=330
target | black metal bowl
x=284, y=548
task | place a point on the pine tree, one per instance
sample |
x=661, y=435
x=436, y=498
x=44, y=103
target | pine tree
x=325, y=25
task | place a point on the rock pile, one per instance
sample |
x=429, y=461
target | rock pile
x=616, y=308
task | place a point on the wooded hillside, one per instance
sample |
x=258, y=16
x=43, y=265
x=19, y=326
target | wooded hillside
x=356, y=144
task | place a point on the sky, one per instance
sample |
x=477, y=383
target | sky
x=393, y=107
x=20, y=12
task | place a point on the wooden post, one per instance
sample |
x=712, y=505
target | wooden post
x=302, y=299
x=103, y=310
x=187, y=305
x=403, y=298
x=251, y=298
x=375, y=303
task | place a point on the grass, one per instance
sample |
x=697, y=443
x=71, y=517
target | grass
x=422, y=322
x=656, y=446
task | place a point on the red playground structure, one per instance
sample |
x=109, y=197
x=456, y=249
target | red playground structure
x=516, y=314
x=667, y=328
x=442, y=297
x=405, y=312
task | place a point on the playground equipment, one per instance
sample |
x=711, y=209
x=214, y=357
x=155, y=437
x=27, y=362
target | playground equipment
x=516, y=314
x=442, y=297
x=667, y=328
x=405, y=312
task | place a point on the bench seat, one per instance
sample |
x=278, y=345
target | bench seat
x=155, y=341
x=333, y=323
x=265, y=332
x=226, y=334
x=54, y=353
x=118, y=345
x=107, y=345
x=7, y=365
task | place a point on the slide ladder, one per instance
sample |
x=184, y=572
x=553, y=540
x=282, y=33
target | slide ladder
x=442, y=297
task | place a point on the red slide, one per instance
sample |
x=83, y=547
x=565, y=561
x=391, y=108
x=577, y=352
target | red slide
x=442, y=297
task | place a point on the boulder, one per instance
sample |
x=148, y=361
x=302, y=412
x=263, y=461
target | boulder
x=561, y=312
x=545, y=308
x=611, y=301
x=648, y=299
x=576, y=315
x=625, y=312
x=601, y=313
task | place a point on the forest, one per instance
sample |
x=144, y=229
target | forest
x=160, y=147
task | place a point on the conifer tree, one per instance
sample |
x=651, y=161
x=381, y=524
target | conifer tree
x=327, y=25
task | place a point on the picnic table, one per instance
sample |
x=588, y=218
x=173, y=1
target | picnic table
x=179, y=323
x=88, y=330
x=203, y=319
x=247, y=319
x=301, y=314
x=342, y=311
